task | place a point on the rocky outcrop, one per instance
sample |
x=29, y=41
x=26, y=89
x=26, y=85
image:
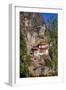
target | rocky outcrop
x=33, y=27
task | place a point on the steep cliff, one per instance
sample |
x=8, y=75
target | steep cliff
x=32, y=25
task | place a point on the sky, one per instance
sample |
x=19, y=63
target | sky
x=46, y=16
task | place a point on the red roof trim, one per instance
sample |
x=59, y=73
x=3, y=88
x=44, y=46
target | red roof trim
x=39, y=48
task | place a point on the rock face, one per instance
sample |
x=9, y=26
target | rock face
x=33, y=26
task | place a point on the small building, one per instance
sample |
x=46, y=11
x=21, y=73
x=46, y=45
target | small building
x=40, y=49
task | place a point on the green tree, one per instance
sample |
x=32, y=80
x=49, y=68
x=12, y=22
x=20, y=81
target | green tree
x=25, y=60
x=52, y=33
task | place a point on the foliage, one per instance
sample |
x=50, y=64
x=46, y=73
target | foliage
x=48, y=63
x=24, y=57
x=52, y=33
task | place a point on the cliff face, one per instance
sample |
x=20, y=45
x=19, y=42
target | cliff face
x=39, y=47
x=32, y=25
